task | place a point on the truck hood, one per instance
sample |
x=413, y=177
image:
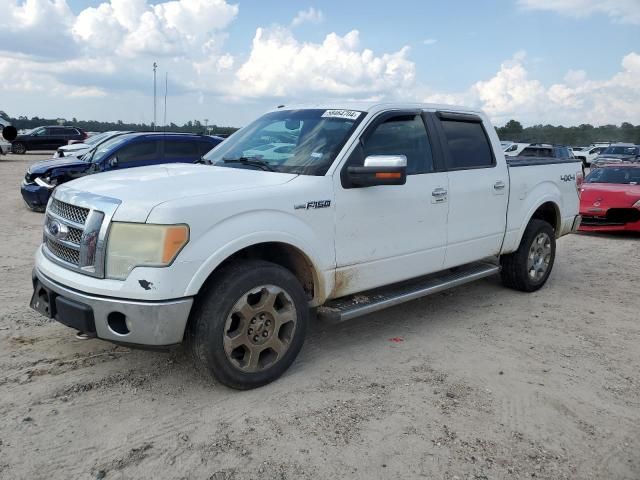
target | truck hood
x=141, y=189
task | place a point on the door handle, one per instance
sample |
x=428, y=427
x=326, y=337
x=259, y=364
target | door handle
x=499, y=185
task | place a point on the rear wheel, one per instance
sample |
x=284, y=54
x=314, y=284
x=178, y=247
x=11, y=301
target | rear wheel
x=18, y=147
x=250, y=323
x=528, y=268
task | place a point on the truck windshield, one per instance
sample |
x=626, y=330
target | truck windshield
x=619, y=175
x=305, y=141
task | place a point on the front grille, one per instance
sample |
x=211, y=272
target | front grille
x=69, y=212
x=64, y=253
x=74, y=235
x=614, y=217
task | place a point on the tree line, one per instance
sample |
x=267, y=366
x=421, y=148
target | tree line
x=196, y=126
x=582, y=135
x=513, y=130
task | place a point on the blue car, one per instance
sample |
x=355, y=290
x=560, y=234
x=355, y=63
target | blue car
x=124, y=151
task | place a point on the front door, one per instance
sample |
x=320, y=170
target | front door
x=389, y=233
x=478, y=188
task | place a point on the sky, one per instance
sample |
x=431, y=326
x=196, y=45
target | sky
x=538, y=61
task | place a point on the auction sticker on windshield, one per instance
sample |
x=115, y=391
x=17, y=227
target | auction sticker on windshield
x=348, y=114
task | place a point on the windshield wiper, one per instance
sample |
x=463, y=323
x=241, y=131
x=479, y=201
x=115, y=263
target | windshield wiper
x=253, y=161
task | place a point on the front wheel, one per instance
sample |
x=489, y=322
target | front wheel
x=249, y=324
x=18, y=147
x=528, y=268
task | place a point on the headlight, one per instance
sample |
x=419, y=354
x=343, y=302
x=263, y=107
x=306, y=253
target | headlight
x=133, y=245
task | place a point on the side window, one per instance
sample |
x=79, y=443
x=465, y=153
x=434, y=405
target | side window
x=49, y=131
x=180, y=150
x=57, y=131
x=138, y=152
x=204, y=147
x=468, y=145
x=402, y=135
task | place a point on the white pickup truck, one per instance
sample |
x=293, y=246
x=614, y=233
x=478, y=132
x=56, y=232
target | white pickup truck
x=360, y=207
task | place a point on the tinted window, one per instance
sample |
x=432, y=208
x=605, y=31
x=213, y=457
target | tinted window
x=58, y=131
x=204, y=147
x=176, y=149
x=403, y=135
x=138, y=152
x=468, y=145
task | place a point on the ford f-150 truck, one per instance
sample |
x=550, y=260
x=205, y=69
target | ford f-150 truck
x=363, y=207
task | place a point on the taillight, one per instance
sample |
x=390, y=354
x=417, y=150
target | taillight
x=579, y=181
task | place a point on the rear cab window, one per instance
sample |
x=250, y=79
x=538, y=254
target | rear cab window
x=466, y=142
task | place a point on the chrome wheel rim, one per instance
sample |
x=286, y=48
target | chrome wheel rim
x=19, y=148
x=260, y=328
x=539, y=257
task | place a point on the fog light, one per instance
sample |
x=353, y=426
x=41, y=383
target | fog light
x=118, y=323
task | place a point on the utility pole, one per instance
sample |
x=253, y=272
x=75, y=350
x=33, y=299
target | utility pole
x=155, y=66
x=166, y=88
x=206, y=122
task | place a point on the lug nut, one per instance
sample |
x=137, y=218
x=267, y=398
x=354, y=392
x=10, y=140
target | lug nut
x=255, y=339
x=262, y=316
x=267, y=323
x=253, y=320
x=264, y=334
x=250, y=331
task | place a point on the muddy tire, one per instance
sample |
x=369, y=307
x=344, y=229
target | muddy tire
x=249, y=324
x=528, y=268
x=18, y=148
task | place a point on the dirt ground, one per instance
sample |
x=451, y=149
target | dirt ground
x=477, y=383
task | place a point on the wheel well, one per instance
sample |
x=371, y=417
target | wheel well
x=281, y=254
x=550, y=214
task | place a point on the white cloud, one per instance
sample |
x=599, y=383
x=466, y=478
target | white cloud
x=429, y=41
x=511, y=93
x=624, y=11
x=311, y=15
x=281, y=66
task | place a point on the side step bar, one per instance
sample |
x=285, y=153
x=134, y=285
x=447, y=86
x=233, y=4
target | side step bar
x=352, y=306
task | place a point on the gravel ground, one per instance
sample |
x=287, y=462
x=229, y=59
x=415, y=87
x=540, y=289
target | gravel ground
x=476, y=383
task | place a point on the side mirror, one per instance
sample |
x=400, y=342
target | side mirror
x=379, y=170
x=113, y=162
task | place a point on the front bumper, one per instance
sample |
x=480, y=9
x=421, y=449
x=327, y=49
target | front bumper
x=154, y=323
x=34, y=195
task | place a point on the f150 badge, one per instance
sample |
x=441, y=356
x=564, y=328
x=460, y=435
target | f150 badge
x=313, y=205
x=568, y=178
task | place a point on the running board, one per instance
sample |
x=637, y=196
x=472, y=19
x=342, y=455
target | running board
x=352, y=306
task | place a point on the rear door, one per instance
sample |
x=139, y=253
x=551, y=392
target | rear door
x=40, y=139
x=389, y=233
x=478, y=188
x=58, y=136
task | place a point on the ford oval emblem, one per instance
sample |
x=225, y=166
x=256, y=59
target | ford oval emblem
x=58, y=230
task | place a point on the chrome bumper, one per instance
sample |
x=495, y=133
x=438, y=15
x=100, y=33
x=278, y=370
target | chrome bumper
x=156, y=323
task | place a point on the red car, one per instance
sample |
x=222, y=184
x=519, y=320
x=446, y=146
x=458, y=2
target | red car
x=610, y=199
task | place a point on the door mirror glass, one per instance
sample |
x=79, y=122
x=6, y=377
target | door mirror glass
x=113, y=162
x=379, y=170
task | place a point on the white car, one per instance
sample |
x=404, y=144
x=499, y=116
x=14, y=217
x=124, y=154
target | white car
x=515, y=149
x=78, y=149
x=589, y=154
x=378, y=205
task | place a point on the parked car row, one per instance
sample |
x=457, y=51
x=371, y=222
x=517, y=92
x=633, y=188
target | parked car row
x=111, y=151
